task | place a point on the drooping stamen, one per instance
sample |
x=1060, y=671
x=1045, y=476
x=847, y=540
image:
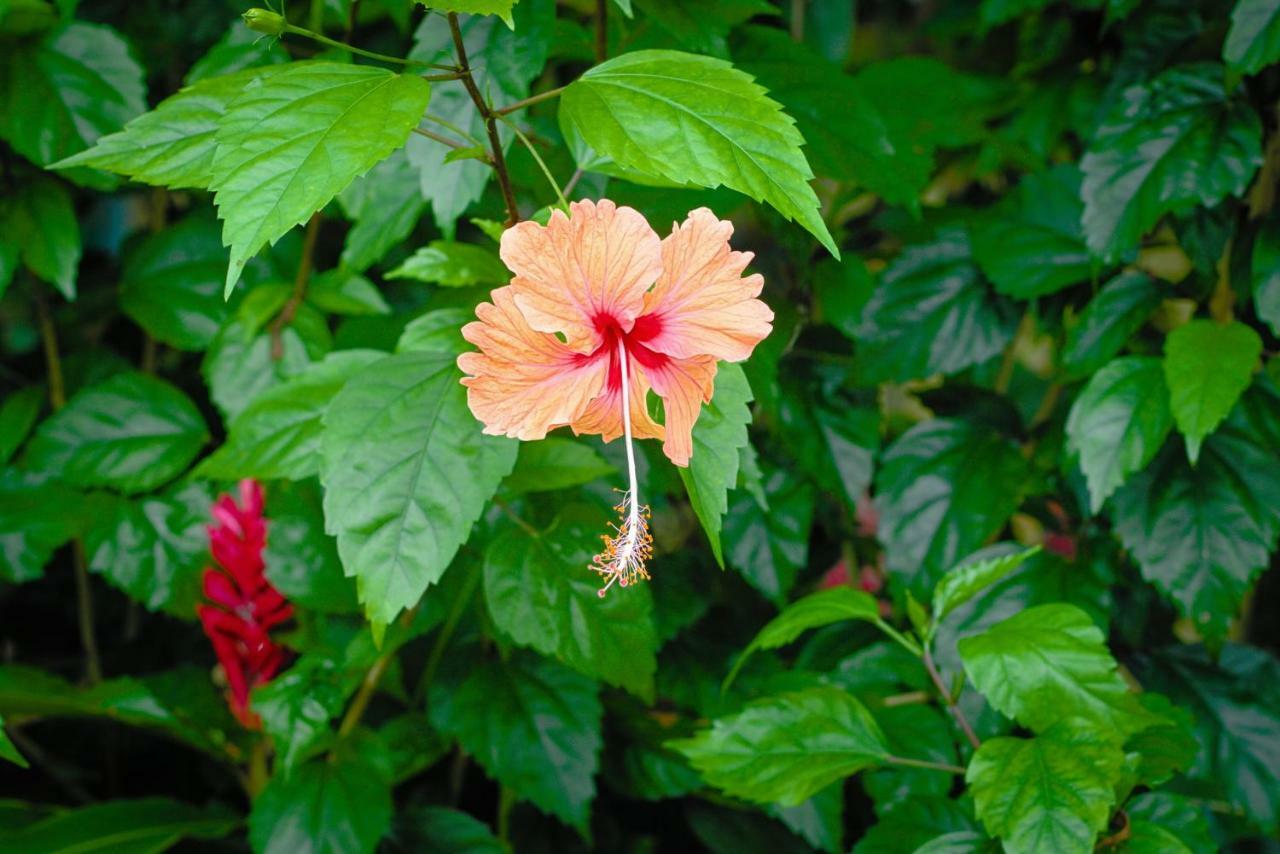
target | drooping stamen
x=624, y=556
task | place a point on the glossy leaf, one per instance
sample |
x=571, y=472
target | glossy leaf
x=172, y=284
x=444, y=262
x=296, y=708
x=1207, y=366
x=39, y=221
x=968, y=580
x=769, y=548
x=143, y=825
x=1165, y=823
x=718, y=435
x=555, y=463
x=301, y=559
x=37, y=516
x=1253, y=41
x=1104, y=327
x=241, y=362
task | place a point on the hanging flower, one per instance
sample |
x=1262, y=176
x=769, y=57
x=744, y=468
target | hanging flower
x=245, y=605
x=599, y=312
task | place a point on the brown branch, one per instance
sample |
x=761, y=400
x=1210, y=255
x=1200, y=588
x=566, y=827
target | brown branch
x=300, y=280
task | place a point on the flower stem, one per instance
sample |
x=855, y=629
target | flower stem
x=538, y=158
x=924, y=763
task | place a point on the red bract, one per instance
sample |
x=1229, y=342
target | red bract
x=245, y=605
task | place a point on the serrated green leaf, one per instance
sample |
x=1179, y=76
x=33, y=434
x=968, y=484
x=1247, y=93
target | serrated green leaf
x=145, y=826
x=301, y=559
x=241, y=362
x=1165, y=147
x=271, y=176
x=1165, y=823
x=1053, y=792
x=944, y=487
x=439, y=331
x=340, y=291
x=1104, y=327
x=1207, y=366
x=407, y=472
x=531, y=723
x=1253, y=41
x=62, y=92
x=131, y=432
x=913, y=822
x=540, y=591
x=18, y=414
x=1050, y=663
x=39, y=221
x=172, y=284
x=695, y=120
x=1118, y=423
x=555, y=463
x=787, y=748
x=37, y=516
x=444, y=262
x=967, y=580
x=930, y=313
x=501, y=8
x=718, y=435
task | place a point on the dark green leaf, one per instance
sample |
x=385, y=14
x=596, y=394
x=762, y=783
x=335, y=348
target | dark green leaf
x=769, y=548
x=1265, y=271
x=1253, y=42
x=241, y=365
x=1207, y=366
x=18, y=414
x=296, y=708
x=238, y=49
x=820, y=819
x=325, y=807
x=144, y=826
x=718, y=435
x=301, y=559
x=440, y=830
x=1107, y=322
x=555, y=463
x=1165, y=823
x=37, y=218
x=37, y=516
x=385, y=204
x=915, y=731
x=930, y=104
x=913, y=822
x=172, y=284
x=8, y=752
x=341, y=291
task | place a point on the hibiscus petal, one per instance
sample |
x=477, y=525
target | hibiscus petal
x=604, y=415
x=523, y=383
x=702, y=304
x=583, y=271
x=684, y=385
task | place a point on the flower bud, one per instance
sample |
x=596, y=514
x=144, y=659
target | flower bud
x=265, y=21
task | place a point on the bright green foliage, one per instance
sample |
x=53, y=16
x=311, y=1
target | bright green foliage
x=555, y=463
x=451, y=264
x=1207, y=366
x=540, y=592
x=297, y=707
x=501, y=8
x=966, y=581
x=438, y=331
x=38, y=225
x=1108, y=321
x=718, y=435
x=787, y=748
x=1253, y=41
x=147, y=824
x=131, y=432
x=1118, y=423
x=532, y=724
x=1167, y=146
x=1048, y=793
x=406, y=475
x=172, y=284
x=245, y=361
x=268, y=182
x=695, y=120
x=1049, y=663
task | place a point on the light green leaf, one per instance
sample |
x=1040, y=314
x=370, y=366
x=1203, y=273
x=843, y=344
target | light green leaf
x=173, y=145
x=1053, y=792
x=540, y=592
x=1168, y=146
x=18, y=414
x=38, y=219
x=340, y=291
x=241, y=363
x=1118, y=423
x=532, y=724
x=271, y=176
x=172, y=284
x=60, y=93
x=131, y=432
x=967, y=580
x=718, y=435
x=501, y=8
x=144, y=826
x=787, y=748
x=443, y=262
x=297, y=706
x=1108, y=322
x=555, y=463
x=439, y=331
x=1207, y=366
x=1049, y=663
x=696, y=120
x=407, y=472
x=325, y=807
x=1253, y=41
x=37, y=516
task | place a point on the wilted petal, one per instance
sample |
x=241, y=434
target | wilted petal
x=523, y=382
x=583, y=272
x=684, y=385
x=702, y=304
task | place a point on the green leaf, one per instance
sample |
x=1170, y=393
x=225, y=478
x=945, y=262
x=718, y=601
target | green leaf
x=944, y=488
x=966, y=581
x=532, y=724
x=695, y=120
x=540, y=592
x=385, y=204
x=172, y=284
x=930, y=104
x=930, y=313
x=1166, y=147
x=440, y=830
x=238, y=49
x=1053, y=792
x=1253, y=41
x=38, y=219
x=819, y=820
x=340, y=291
x=769, y=548
x=718, y=435
x=555, y=463
x=18, y=414
x=439, y=331
x=1032, y=243
x=144, y=826
x=1118, y=423
x=153, y=548
x=37, y=516
x=787, y=748
x=1265, y=273
x=8, y=752
x=1049, y=663
x=854, y=143
x=1207, y=366
x=1164, y=748
x=277, y=163
x=278, y=434
x=454, y=265
x=918, y=731
x=173, y=145
x=908, y=824
x=240, y=365
x=60, y=93
x=131, y=432
x=1165, y=823
x=297, y=706
x=301, y=559
x=407, y=472
x=834, y=437
x=501, y=8
x=1108, y=322
x=325, y=807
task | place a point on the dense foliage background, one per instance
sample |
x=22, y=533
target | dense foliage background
x=972, y=551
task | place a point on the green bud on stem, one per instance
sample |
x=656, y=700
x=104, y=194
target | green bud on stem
x=266, y=22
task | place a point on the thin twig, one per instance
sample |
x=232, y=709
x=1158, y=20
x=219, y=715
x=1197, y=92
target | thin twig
x=456, y=610
x=602, y=31
x=300, y=280
x=515, y=517
x=368, y=687
x=573, y=180
x=450, y=126
x=530, y=101
x=443, y=140
x=538, y=159
x=956, y=712
x=924, y=763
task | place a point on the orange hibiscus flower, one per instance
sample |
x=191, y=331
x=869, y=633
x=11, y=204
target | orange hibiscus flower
x=599, y=312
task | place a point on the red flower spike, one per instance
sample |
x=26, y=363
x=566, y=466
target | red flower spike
x=244, y=606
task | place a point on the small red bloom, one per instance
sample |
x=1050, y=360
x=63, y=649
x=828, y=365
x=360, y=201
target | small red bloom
x=245, y=605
